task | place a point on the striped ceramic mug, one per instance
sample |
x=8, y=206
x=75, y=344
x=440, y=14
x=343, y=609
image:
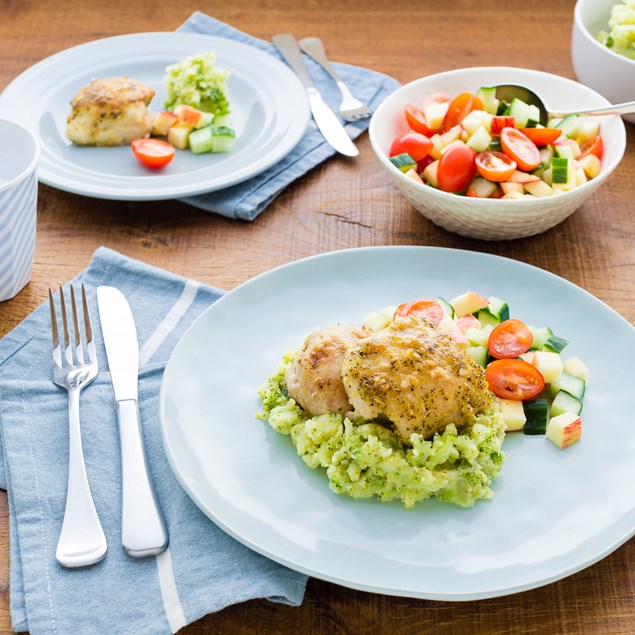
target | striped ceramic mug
x=19, y=156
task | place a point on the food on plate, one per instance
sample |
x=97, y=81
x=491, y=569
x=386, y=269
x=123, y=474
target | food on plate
x=109, y=112
x=620, y=37
x=197, y=82
x=153, y=153
x=479, y=146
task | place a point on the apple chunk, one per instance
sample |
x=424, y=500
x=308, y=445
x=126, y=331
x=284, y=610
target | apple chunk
x=564, y=430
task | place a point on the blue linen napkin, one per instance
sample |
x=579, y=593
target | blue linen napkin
x=247, y=200
x=203, y=570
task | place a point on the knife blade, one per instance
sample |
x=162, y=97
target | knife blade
x=326, y=120
x=143, y=531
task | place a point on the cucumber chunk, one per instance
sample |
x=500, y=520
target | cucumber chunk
x=564, y=402
x=498, y=309
x=570, y=126
x=540, y=335
x=537, y=413
x=222, y=138
x=403, y=162
x=200, y=140
x=446, y=306
x=559, y=170
x=487, y=94
x=555, y=343
x=520, y=111
x=479, y=354
x=575, y=386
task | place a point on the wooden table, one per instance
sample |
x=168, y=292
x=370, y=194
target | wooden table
x=338, y=205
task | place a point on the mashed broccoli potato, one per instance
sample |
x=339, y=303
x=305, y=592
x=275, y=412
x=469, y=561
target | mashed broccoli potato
x=196, y=82
x=365, y=459
x=621, y=35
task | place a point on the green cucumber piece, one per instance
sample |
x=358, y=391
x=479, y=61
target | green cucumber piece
x=520, y=111
x=222, y=138
x=498, y=309
x=559, y=170
x=540, y=335
x=223, y=119
x=564, y=402
x=487, y=94
x=570, y=126
x=446, y=306
x=555, y=344
x=479, y=354
x=200, y=140
x=486, y=318
x=403, y=162
x=477, y=337
x=537, y=413
x=495, y=145
x=572, y=384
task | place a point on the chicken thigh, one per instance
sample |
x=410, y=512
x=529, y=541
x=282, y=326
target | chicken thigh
x=313, y=378
x=415, y=375
x=110, y=112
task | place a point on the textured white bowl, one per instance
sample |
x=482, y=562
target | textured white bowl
x=490, y=219
x=610, y=74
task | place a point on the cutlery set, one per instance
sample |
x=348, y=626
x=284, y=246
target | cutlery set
x=75, y=365
x=351, y=109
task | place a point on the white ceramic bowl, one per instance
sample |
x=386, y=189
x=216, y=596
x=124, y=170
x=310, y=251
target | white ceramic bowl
x=610, y=74
x=490, y=219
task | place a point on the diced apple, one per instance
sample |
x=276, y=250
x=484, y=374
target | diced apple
x=528, y=357
x=481, y=188
x=564, y=430
x=474, y=120
x=508, y=188
x=192, y=116
x=513, y=414
x=591, y=165
x=468, y=302
x=522, y=177
x=178, y=135
x=580, y=176
x=435, y=114
x=430, y=173
x=445, y=148
x=538, y=188
x=549, y=364
x=414, y=175
x=468, y=322
x=480, y=140
x=376, y=321
x=575, y=366
x=560, y=146
x=514, y=195
x=389, y=311
x=162, y=122
x=588, y=130
x=437, y=144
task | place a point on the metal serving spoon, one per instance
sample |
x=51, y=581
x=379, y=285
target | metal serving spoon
x=507, y=92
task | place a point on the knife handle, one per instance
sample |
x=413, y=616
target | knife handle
x=143, y=531
x=289, y=49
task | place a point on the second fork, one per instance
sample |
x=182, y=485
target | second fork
x=82, y=541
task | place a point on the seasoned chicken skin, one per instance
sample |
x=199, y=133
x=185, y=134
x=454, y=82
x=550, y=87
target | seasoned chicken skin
x=415, y=375
x=110, y=112
x=313, y=378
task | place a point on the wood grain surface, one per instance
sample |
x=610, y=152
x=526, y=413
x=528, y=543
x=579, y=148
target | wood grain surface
x=342, y=204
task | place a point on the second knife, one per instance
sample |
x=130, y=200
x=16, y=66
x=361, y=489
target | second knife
x=326, y=120
x=143, y=531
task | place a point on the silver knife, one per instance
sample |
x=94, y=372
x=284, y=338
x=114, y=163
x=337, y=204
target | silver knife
x=143, y=531
x=326, y=120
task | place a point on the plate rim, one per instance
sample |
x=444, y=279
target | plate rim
x=338, y=579
x=47, y=176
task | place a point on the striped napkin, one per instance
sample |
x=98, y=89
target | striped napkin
x=247, y=200
x=203, y=569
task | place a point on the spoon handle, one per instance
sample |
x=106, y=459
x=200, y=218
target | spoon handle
x=626, y=108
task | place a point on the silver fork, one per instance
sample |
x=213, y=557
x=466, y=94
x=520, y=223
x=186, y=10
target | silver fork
x=82, y=541
x=351, y=108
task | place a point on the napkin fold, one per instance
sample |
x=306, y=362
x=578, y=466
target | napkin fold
x=247, y=200
x=203, y=570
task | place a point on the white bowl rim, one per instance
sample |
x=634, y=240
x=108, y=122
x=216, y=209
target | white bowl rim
x=577, y=19
x=476, y=202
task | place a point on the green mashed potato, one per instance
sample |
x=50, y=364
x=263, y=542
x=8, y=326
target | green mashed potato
x=365, y=459
x=197, y=82
x=621, y=35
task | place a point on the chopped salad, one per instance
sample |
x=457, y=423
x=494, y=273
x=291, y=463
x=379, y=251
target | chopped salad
x=479, y=146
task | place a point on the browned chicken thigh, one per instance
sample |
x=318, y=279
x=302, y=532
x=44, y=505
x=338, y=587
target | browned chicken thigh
x=110, y=112
x=314, y=378
x=415, y=375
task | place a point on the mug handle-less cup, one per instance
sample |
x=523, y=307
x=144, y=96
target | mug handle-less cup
x=19, y=156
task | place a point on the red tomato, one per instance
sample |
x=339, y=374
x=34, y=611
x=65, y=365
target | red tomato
x=417, y=120
x=542, y=136
x=153, y=153
x=502, y=121
x=424, y=163
x=435, y=98
x=514, y=379
x=415, y=144
x=594, y=146
x=461, y=106
x=495, y=166
x=430, y=309
x=509, y=339
x=520, y=148
x=457, y=167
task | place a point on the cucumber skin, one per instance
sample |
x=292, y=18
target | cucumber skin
x=537, y=413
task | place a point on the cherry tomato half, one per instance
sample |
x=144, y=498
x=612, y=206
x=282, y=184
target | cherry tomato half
x=542, y=136
x=417, y=120
x=461, y=106
x=415, y=144
x=430, y=309
x=495, y=166
x=153, y=153
x=520, y=148
x=509, y=339
x=594, y=146
x=502, y=121
x=514, y=379
x=456, y=168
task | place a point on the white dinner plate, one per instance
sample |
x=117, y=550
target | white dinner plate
x=269, y=112
x=554, y=511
